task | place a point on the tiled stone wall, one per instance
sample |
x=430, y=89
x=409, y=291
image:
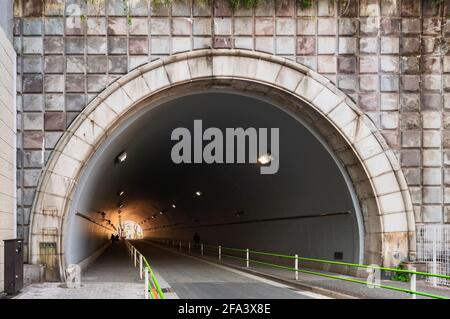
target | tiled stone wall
x=389, y=56
x=7, y=144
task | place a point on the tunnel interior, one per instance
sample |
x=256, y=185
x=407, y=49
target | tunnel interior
x=306, y=208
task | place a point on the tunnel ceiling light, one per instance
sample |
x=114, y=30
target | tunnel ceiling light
x=161, y=212
x=174, y=206
x=121, y=192
x=122, y=157
x=120, y=205
x=198, y=193
x=265, y=159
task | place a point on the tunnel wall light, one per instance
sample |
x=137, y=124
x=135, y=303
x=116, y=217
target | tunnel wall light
x=265, y=159
x=198, y=193
x=122, y=157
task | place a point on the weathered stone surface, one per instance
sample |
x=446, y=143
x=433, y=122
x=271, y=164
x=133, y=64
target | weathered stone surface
x=54, y=121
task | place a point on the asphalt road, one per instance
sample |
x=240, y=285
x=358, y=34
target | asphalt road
x=192, y=278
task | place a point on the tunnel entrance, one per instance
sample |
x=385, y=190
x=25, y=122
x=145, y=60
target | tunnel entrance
x=307, y=207
x=338, y=194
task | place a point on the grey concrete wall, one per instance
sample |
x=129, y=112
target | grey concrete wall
x=7, y=135
x=391, y=57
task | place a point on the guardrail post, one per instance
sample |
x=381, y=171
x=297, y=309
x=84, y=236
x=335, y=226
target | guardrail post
x=413, y=283
x=248, y=258
x=135, y=257
x=189, y=247
x=296, y=267
x=434, y=279
x=201, y=248
x=140, y=266
x=220, y=253
x=146, y=283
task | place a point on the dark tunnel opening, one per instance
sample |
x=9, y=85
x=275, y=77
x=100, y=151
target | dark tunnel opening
x=308, y=207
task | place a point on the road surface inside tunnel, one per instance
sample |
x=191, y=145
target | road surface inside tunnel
x=192, y=278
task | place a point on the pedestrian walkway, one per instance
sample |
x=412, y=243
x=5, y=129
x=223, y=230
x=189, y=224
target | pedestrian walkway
x=111, y=276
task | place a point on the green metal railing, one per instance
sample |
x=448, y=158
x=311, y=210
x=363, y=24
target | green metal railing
x=152, y=289
x=219, y=250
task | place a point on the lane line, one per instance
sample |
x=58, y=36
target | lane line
x=242, y=273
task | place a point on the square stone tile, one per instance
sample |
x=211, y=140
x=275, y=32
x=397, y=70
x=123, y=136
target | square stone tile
x=347, y=45
x=348, y=26
x=96, y=83
x=264, y=26
x=75, y=45
x=368, y=45
x=32, y=83
x=54, y=102
x=96, y=25
x=32, y=102
x=53, y=45
x=202, y=43
x=32, y=45
x=33, y=139
x=54, y=83
x=202, y=26
x=75, y=102
x=181, y=26
x=181, y=44
x=326, y=64
x=306, y=45
x=326, y=45
x=97, y=45
x=138, y=45
x=32, y=121
x=285, y=45
x=54, y=64
x=284, y=26
x=347, y=65
x=138, y=26
x=265, y=44
x=160, y=45
x=97, y=64
x=306, y=26
x=32, y=64
x=75, y=64
x=117, y=45
x=160, y=26
x=118, y=64
x=117, y=26
x=75, y=83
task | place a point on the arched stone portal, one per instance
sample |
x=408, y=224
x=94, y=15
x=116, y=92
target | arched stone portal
x=389, y=227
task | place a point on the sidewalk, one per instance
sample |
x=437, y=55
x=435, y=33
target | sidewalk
x=111, y=276
x=331, y=287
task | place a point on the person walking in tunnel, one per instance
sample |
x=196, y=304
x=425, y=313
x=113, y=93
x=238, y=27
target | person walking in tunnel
x=196, y=240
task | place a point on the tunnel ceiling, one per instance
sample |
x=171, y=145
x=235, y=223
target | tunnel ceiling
x=308, y=181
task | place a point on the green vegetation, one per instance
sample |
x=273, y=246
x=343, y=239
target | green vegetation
x=401, y=276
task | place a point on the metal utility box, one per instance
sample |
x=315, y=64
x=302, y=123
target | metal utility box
x=13, y=265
